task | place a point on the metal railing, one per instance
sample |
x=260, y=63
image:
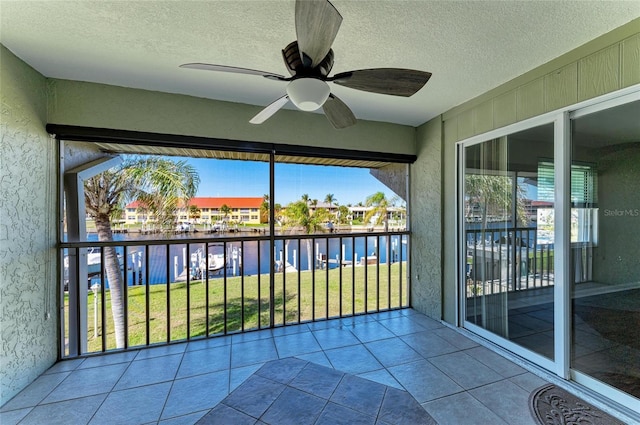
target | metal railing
x=506, y=260
x=183, y=289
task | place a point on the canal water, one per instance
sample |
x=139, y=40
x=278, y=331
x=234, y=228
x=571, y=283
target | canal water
x=295, y=253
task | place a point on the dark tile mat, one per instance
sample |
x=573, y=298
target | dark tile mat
x=551, y=405
x=298, y=392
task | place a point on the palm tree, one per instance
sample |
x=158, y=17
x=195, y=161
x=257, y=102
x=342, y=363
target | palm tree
x=343, y=214
x=378, y=213
x=305, y=198
x=298, y=215
x=277, y=209
x=330, y=199
x=225, y=210
x=264, y=209
x=194, y=212
x=493, y=194
x=157, y=183
x=141, y=210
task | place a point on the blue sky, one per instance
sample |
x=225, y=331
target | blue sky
x=222, y=178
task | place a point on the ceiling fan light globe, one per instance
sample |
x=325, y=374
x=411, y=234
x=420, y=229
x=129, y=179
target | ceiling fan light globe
x=308, y=94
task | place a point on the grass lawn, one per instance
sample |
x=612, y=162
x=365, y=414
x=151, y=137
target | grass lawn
x=247, y=303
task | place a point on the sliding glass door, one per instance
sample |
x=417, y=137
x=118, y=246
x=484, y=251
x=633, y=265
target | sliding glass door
x=605, y=246
x=508, y=237
x=549, y=242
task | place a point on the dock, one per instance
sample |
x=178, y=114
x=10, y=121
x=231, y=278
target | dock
x=288, y=267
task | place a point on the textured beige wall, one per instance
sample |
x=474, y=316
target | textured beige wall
x=394, y=176
x=28, y=339
x=103, y=106
x=426, y=221
x=603, y=65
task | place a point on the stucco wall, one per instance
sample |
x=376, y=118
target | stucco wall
x=426, y=221
x=28, y=334
x=603, y=65
x=394, y=176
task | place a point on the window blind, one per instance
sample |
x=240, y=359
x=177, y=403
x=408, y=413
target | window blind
x=584, y=180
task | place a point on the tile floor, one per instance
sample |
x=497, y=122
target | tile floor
x=291, y=391
x=453, y=378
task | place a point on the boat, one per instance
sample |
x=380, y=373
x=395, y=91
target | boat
x=202, y=265
x=94, y=264
x=371, y=259
x=215, y=263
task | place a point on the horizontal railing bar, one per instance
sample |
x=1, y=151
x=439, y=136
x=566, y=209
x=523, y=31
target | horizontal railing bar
x=338, y=234
x=139, y=242
x=500, y=229
x=84, y=244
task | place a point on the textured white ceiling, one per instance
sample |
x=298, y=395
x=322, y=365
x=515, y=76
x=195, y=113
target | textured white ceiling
x=469, y=46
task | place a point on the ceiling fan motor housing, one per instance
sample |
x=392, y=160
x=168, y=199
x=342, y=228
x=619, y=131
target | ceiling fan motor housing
x=293, y=59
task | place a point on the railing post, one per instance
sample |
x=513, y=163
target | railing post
x=102, y=299
x=390, y=259
x=187, y=269
x=125, y=299
x=168, y=283
x=326, y=284
x=147, y=296
x=272, y=231
x=340, y=261
x=299, y=277
x=241, y=271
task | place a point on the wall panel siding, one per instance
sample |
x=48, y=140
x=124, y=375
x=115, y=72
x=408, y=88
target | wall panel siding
x=450, y=129
x=599, y=73
x=483, y=118
x=530, y=99
x=631, y=61
x=561, y=88
x=465, y=124
x=603, y=65
x=504, y=109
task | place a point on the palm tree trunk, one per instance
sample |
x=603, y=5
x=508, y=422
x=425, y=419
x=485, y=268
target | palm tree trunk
x=310, y=263
x=114, y=276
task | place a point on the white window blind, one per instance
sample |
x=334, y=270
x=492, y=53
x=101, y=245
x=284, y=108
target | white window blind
x=584, y=181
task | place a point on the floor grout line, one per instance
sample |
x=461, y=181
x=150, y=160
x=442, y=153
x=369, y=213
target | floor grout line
x=339, y=325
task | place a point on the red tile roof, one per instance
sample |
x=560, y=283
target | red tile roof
x=202, y=202
x=541, y=204
x=206, y=202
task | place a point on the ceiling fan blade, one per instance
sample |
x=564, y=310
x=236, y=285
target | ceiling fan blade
x=338, y=113
x=317, y=24
x=232, y=69
x=271, y=109
x=393, y=81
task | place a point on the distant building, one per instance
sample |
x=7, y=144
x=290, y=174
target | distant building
x=393, y=213
x=242, y=210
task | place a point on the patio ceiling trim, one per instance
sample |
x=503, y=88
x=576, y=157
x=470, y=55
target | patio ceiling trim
x=126, y=141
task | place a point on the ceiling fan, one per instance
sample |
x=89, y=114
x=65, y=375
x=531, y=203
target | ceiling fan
x=309, y=61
